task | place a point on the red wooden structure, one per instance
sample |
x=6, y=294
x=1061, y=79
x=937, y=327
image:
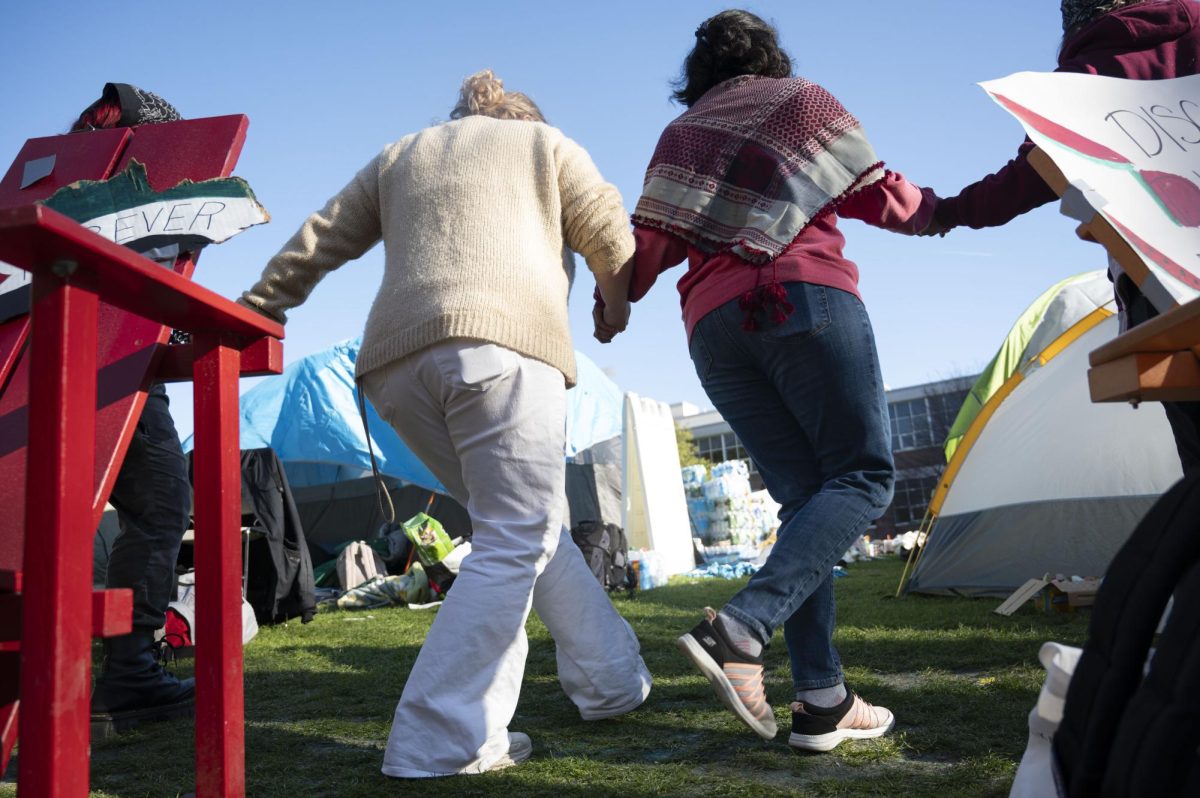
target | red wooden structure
x=73, y=381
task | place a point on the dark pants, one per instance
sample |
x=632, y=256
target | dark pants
x=805, y=397
x=1184, y=417
x=153, y=502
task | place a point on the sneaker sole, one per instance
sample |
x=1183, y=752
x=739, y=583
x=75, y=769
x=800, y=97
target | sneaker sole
x=723, y=687
x=831, y=740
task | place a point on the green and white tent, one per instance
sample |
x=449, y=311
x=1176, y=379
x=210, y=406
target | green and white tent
x=1039, y=479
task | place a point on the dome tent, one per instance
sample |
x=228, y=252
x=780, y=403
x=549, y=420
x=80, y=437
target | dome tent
x=1039, y=478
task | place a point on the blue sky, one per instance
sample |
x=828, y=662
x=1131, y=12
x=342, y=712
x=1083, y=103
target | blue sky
x=326, y=85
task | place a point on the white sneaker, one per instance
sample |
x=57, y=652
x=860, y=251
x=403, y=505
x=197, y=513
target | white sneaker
x=519, y=749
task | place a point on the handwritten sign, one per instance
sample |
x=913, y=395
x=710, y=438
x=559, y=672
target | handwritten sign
x=126, y=210
x=1132, y=149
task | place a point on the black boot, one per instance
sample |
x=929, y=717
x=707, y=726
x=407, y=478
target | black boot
x=133, y=688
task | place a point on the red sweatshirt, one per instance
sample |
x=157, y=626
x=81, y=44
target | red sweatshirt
x=814, y=257
x=1153, y=40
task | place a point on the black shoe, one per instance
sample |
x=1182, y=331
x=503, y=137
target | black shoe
x=822, y=729
x=134, y=688
x=736, y=676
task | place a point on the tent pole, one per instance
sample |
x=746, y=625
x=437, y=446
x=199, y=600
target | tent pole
x=926, y=524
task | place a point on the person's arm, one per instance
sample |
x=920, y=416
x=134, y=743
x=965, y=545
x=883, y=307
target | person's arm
x=596, y=226
x=892, y=203
x=1003, y=196
x=656, y=252
x=998, y=198
x=343, y=230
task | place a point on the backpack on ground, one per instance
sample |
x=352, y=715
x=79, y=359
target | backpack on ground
x=606, y=551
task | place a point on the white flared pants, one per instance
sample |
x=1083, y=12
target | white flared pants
x=489, y=424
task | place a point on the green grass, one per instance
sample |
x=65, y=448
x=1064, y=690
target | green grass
x=319, y=701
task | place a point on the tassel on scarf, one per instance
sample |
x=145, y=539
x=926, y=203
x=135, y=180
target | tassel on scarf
x=770, y=300
x=751, y=303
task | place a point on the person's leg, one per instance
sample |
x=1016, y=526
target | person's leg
x=488, y=424
x=806, y=400
x=599, y=661
x=153, y=502
x=824, y=422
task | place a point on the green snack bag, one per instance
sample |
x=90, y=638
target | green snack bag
x=430, y=539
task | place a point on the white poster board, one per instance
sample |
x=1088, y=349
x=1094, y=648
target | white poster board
x=655, y=516
x=1131, y=150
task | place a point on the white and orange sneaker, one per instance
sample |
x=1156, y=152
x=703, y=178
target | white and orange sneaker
x=820, y=729
x=736, y=676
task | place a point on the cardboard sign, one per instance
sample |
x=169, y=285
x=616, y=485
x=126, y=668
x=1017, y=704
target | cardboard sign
x=125, y=209
x=1130, y=150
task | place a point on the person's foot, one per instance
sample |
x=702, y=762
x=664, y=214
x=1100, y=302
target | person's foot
x=519, y=749
x=133, y=687
x=822, y=729
x=736, y=676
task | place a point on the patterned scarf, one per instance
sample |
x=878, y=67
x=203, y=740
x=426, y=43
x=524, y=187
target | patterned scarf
x=749, y=167
x=1076, y=13
x=138, y=106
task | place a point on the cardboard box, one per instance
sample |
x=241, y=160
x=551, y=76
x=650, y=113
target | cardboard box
x=1058, y=594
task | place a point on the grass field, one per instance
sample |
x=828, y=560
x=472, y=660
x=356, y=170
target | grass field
x=319, y=701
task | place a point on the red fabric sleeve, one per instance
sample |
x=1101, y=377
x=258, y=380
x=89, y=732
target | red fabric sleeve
x=892, y=203
x=656, y=252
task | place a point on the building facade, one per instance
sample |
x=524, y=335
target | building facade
x=920, y=416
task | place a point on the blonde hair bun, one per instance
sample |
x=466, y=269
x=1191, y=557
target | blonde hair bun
x=483, y=94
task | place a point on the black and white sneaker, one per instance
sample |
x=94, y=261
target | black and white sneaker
x=822, y=729
x=736, y=676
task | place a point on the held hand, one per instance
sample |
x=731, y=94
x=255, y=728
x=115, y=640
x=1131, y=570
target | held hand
x=617, y=316
x=934, y=228
x=604, y=332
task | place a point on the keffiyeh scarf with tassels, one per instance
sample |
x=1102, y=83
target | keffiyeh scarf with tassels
x=749, y=167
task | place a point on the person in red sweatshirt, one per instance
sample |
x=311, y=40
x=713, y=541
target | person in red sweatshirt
x=1131, y=39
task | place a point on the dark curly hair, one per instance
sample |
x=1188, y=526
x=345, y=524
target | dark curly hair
x=732, y=43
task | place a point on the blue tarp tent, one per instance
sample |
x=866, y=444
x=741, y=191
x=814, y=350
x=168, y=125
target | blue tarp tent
x=309, y=416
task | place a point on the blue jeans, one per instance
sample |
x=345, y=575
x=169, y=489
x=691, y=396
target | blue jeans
x=806, y=399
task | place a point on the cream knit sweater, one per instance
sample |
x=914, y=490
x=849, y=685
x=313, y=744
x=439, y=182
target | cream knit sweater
x=475, y=216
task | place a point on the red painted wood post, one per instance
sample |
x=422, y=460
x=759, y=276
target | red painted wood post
x=220, y=755
x=56, y=638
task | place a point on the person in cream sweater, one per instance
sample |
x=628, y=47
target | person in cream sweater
x=467, y=354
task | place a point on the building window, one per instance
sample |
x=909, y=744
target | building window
x=925, y=421
x=721, y=447
x=912, y=497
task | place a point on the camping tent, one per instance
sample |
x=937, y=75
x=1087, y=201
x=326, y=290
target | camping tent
x=309, y=416
x=1040, y=479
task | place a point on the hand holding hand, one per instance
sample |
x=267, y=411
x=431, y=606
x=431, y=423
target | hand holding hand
x=934, y=228
x=609, y=320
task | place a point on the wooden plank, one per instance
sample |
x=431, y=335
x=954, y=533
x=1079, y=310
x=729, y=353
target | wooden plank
x=82, y=156
x=112, y=614
x=57, y=561
x=220, y=754
x=43, y=241
x=1174, y=331
x=185, y=150
x=264, y=356
x=1147, y=377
